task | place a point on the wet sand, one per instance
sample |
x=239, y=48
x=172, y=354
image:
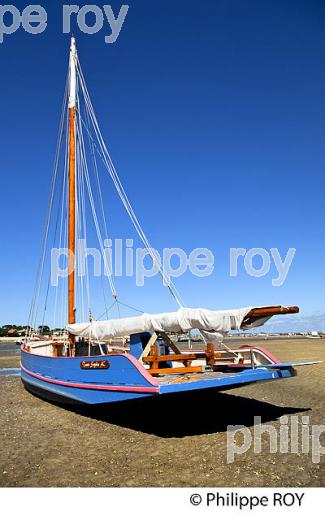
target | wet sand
x=174, y=441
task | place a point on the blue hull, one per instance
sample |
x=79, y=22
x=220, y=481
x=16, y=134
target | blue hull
x=62, y=379
x=122, y=378
x=66, y=395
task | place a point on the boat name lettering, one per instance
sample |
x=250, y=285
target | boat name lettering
x=94, y=364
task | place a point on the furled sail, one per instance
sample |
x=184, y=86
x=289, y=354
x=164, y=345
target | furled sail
x=212, y=324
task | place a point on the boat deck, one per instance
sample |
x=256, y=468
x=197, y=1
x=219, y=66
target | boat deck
x=170, y=379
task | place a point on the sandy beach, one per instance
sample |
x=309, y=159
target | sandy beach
x=174, y=441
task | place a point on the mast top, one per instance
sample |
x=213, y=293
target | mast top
x=72, y=75
x=73, y=48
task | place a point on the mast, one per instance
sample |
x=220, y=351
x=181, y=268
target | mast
x=72, y=185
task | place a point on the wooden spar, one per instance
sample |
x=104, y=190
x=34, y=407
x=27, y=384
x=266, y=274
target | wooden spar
x=264, y=312
x=72, y=189
x=72, y=218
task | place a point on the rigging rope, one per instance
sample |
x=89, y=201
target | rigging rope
x=35, y=300
x=120, y=190
x=83, y=186
x=84, y=166
x=91, y=144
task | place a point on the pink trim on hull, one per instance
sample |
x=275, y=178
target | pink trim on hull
x=135, y=389
x=264, y=351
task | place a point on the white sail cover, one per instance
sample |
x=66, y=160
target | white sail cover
x=212, y=324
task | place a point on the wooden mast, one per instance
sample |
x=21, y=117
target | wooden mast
x=72, y=188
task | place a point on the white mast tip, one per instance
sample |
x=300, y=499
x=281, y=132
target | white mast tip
x=73, y=79
x=73, y=45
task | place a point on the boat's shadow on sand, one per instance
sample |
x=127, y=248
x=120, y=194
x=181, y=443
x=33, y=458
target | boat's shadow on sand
x=186, y=414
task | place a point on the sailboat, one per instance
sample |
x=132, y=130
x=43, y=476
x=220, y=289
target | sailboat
x=87, y=364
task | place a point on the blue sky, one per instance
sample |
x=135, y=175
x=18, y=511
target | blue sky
x=214, y=115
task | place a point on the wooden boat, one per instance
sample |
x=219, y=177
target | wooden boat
x=88, y=367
